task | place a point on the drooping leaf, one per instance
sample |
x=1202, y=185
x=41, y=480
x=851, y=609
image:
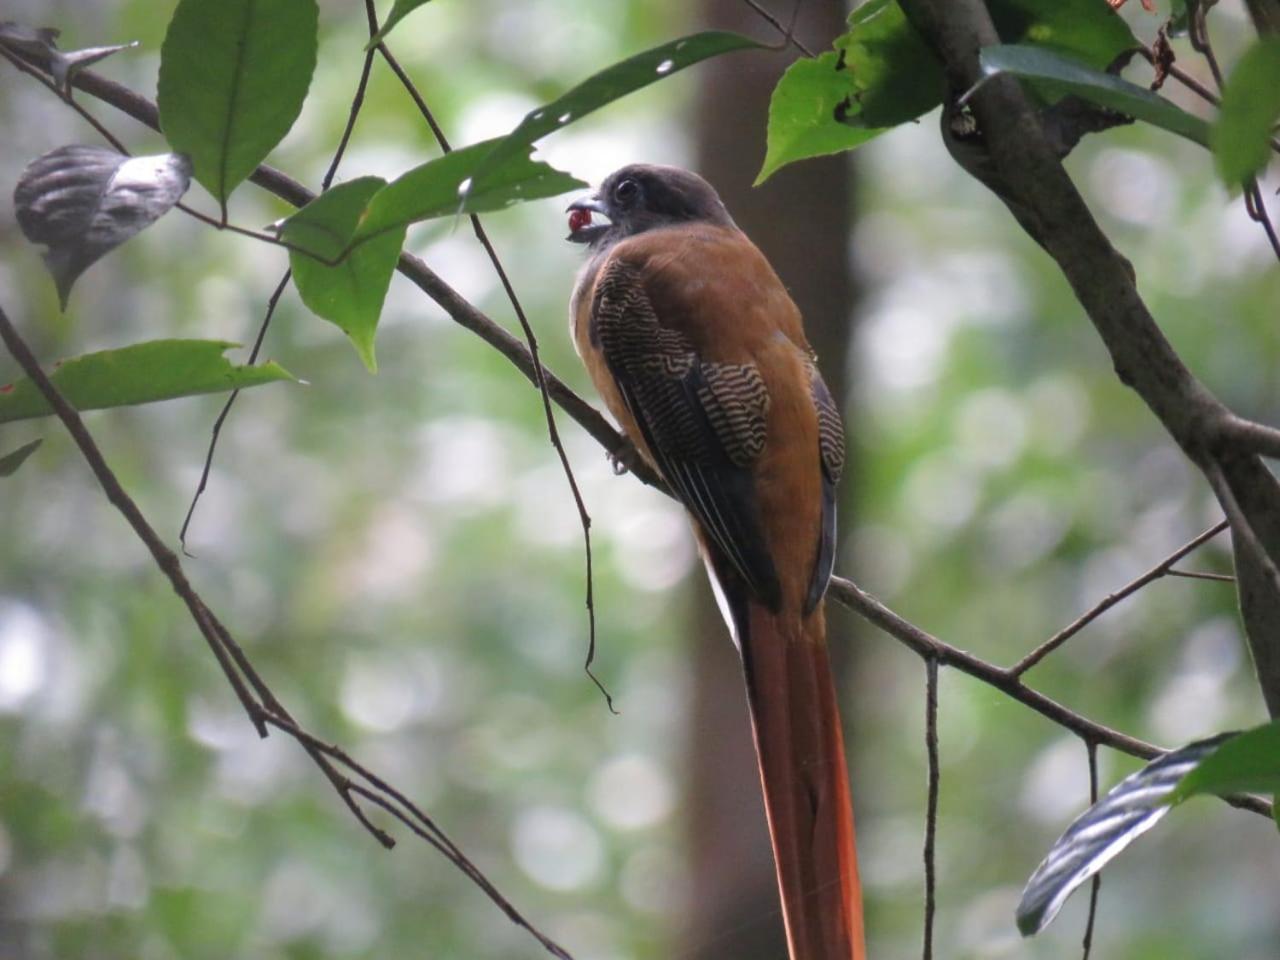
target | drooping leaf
x=41, y=42
x=448, y=186
x=81, y=202
x=140, y=373
x=802, y=115
x=609, y=85
x=233, y=76
x=1250, y=109
x=10, y=462
x=1130, y=809
x=1248, y=761
x=885, y=75
x=399, y=10
x=1055, y=75
x=349, y=293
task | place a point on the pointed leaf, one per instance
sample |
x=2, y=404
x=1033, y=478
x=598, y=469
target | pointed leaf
x=10, y=462
x=803, y=115
x=351, y=292
x=885, y=75
x=399, y=10
x=140, y=373
x=1055, y=75
x=1132, y=808
x=1250, y=110
x=233, y=76
x=610, y=84
x=1249, y=761
x=81, y=202
x=41, y=42
x=447, y=187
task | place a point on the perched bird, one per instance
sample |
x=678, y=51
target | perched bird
x=698, y=351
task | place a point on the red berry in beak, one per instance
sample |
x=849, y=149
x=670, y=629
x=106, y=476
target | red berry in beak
x=579, y=219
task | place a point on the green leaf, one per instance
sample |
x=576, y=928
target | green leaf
x=140, y=373
x=10, y=462
x=612, y=84
x=1055, y=75
x=450, y=185
x=1249, y=761
x=399, y=10
x=885, y=75
x=1250, y=108
x=233, y=76
x=350, y=293
x=802, y=115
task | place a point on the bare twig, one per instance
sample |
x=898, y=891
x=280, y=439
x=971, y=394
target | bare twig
x=1096, y=885
x=269, y=711
x=1201, y=575
x=1163, y=568
x=931, y=806
x=787, y=30
x=539, y=374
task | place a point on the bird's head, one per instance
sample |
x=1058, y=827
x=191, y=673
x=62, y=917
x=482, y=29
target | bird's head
x=644, y=197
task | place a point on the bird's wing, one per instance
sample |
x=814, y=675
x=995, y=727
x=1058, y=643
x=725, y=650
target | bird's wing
x=704, y=422
x=831, y=455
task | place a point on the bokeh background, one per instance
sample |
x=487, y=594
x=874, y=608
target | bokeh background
x=401, y=557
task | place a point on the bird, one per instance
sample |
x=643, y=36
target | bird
x=698, y=351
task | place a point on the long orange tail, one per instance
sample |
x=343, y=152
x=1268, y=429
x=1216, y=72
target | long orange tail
x=796, y=723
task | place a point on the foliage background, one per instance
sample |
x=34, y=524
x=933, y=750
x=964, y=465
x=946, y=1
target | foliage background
x=402, y=557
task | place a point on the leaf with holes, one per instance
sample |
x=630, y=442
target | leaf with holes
x=1250, y=109
x=399, y=10
x=448, y=187
x=884, y=75
x=348, y=293
x=233, y=76
x=41, y=42
x=610, y=84
x=1055, y=75
x=1133, y=807
x=81, y=202
x=10, y=462
x=140, y=373
x=1248, y=762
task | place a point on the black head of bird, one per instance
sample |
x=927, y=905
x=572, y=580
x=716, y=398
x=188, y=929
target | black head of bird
x=642, y=197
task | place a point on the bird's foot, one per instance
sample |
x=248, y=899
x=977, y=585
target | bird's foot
x=623, y=458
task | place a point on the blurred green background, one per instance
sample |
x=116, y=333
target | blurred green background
x=402, y=560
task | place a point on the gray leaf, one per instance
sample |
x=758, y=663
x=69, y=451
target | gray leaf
x=41, y=42
x=1134, y=806
x=81, y=202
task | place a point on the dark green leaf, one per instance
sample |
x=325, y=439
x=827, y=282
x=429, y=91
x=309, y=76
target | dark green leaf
x=885, y=75
x=609, y=85
x=82, y=202
x=1131, y=808
x=802, y=115
x=448, y=186
x=141, y=373
x=233, y=76
x=399, y=10
x=1250, y=109
x=10, y=462
x=350, y=293
x=1249, y=761
x=1055, y=75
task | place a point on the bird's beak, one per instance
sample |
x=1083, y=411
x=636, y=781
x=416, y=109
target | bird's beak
x=591, y=230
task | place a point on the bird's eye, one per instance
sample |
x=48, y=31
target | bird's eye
x=626, y=191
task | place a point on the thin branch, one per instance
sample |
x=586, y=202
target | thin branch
x=1163, y=568
x=787, y=31
x=931, y=807
x=1096, y=885
x=926, y=645
x=531, y=341
x=226, y=650
x=1201, y=575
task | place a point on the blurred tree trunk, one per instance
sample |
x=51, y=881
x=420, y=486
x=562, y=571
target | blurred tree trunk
x=801, y=220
